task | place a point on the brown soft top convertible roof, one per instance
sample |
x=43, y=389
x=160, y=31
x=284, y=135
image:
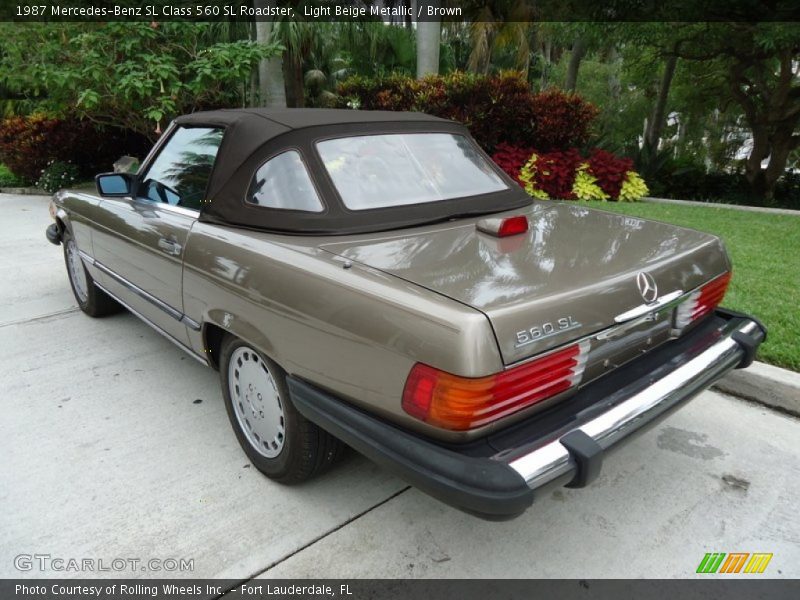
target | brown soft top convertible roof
x=252, y=136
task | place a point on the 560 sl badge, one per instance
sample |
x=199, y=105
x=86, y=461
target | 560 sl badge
x=546, y=330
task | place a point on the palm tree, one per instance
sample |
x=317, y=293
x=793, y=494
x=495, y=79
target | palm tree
x=271, y=86
x=299, y=39
x=500, y=25
x=428, y=36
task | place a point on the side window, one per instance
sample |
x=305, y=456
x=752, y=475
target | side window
x=283, y=182
x=179, y=174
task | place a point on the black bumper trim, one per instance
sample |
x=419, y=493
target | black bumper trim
x=747, y=342
x=735, y=314
x=53, y=234
x=588, y=456
x=486, y=488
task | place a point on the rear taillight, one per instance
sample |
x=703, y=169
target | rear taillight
x=702, y=301
x=460, y=403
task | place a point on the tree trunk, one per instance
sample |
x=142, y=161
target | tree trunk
x=578, y=52
x=776, y=147
x=428, y=36
x=660, y=108
x=614, y=84
x=272, y=89
x=773, y=114
x=293, y=75
x=783, y=144
x=547, y=55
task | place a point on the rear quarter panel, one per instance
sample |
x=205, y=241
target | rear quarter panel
x=353, y=331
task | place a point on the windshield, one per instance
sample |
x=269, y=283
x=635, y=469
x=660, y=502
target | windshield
x=377, y=171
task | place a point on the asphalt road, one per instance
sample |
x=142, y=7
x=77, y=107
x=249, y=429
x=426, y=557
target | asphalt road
x=115, y=445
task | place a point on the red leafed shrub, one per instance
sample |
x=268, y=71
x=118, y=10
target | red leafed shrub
x=560, y=120
x=497, y=109
x=610, y=171
x=555, y=172
x=28, y=144
x=511, y=159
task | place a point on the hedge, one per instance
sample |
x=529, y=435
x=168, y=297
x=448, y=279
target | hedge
x=28, y=144
x=497, y=109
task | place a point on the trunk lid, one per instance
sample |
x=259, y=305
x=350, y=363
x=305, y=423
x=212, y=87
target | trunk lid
x=569, y=276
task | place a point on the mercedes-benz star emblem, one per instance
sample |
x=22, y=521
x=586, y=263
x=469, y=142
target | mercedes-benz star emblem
x=647, y=287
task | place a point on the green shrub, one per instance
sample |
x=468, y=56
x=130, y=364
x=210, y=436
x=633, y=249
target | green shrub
x=57, y=175
x=496, y=109
x=685, y=178
x=8, y=179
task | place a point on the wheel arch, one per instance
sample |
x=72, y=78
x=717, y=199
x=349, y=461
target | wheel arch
x=212, y=343
x=214, y=330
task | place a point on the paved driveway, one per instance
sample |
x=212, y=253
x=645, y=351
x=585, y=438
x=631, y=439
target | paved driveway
x=115, y=445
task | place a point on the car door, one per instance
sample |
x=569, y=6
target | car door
x=139, y=240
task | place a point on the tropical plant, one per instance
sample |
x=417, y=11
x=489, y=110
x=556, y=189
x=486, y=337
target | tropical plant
x=129, y=74
x=568, y=175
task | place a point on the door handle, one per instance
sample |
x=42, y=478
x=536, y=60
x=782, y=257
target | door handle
x=171, y=247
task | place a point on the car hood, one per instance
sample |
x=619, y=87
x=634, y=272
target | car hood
x=569, y=276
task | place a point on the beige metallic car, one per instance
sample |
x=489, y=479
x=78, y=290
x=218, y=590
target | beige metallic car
x=374, y=279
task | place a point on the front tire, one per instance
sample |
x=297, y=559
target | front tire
x=91, y=299
x=277, y=439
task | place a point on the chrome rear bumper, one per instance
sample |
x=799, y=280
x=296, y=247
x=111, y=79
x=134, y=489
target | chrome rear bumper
x=496, y=477
x=631, y=409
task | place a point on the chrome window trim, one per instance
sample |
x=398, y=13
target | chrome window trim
x=181, y=210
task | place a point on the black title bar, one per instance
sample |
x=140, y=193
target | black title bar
x=413, y=10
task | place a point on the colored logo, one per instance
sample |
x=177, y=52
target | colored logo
x=735, y=562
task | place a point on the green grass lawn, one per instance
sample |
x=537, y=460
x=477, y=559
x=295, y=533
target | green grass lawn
x=765, y=250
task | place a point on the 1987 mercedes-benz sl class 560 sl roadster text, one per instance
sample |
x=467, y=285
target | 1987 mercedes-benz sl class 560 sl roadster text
x=373, y=278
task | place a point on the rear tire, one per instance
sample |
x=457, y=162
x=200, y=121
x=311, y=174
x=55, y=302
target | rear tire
x=277, y=439
x=91, y=299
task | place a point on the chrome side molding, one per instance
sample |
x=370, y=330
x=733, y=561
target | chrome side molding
x=171, y=311
x=201, y=359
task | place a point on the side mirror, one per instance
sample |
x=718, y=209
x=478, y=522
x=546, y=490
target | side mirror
x=114, y=184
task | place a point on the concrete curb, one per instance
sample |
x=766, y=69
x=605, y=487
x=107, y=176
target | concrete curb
x=768, y=385
x=760, y=209
x=24, y=191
